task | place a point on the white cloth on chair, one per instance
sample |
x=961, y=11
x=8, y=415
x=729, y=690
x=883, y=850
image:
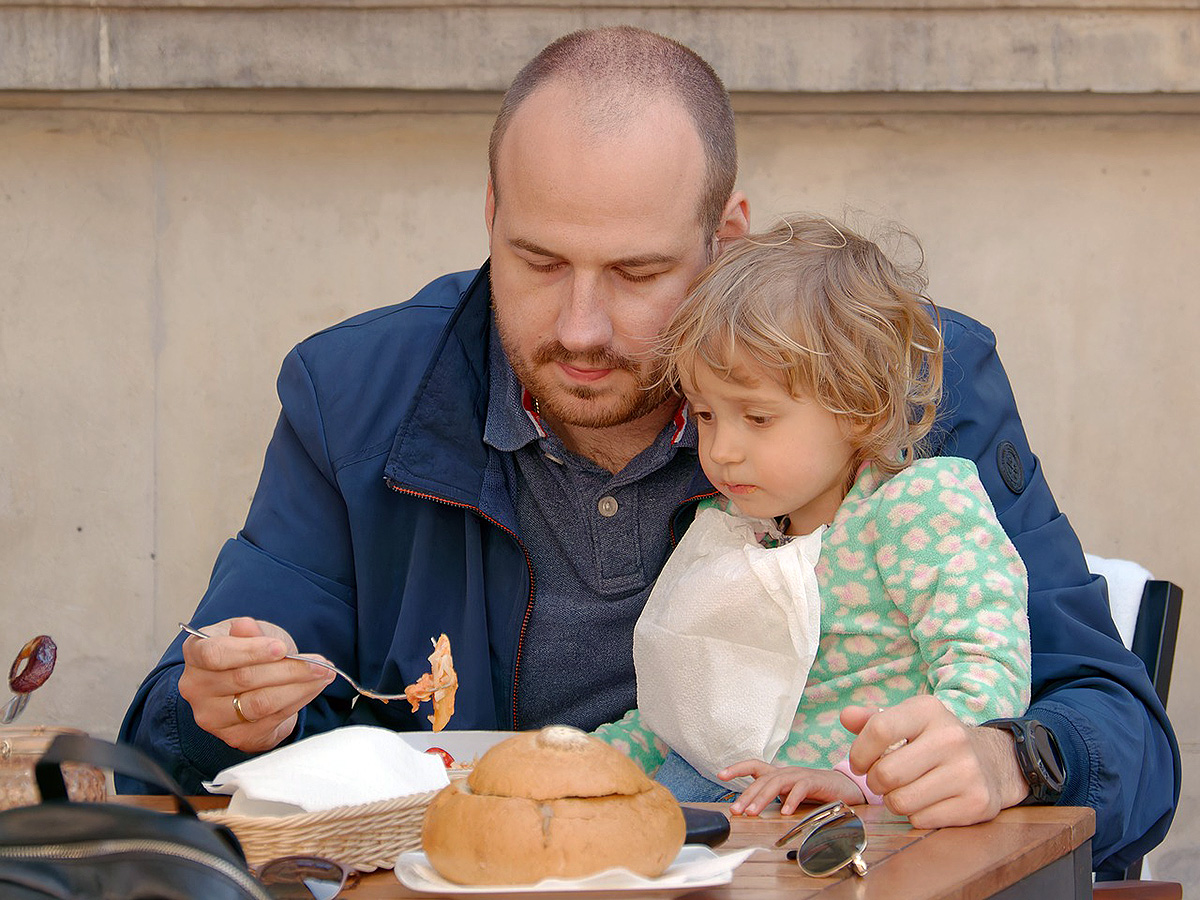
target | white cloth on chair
x=1126, y=582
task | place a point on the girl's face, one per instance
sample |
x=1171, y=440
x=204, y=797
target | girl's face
x=768, y=452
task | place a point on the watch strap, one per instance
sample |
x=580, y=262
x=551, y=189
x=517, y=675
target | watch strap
x=1044, y=787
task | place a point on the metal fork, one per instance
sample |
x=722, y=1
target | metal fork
x=13, y=708
x=317, y=662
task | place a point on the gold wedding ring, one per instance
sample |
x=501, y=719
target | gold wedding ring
x=237, y=708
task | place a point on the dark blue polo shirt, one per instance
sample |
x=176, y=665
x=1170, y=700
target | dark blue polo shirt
x=597, y=542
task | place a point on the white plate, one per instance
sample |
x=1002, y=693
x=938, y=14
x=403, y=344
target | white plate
x=696, y=866
x=464, y=746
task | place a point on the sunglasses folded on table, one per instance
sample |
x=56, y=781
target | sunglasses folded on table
x=831, y=838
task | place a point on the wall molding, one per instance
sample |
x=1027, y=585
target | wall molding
x=779, y=48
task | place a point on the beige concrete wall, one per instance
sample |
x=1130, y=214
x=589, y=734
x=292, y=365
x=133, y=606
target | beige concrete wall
x=161, y=251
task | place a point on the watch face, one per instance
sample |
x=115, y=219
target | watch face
x=1046, y=751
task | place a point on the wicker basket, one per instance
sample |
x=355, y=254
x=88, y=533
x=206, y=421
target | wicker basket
x=368, y=836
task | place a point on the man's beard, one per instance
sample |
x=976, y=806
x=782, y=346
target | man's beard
x=583, y=406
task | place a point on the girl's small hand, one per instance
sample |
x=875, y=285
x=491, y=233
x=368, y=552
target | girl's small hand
x=792, y=784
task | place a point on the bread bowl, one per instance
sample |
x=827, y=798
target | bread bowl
x=554, y=803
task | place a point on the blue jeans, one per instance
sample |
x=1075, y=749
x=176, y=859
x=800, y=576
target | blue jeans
x=678, y=776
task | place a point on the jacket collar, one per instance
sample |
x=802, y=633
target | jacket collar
x=439, y=448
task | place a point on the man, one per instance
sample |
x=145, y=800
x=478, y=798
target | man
x=494, y=460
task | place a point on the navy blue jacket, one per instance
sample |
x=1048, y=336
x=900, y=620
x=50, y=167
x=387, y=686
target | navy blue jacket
x=382, y=519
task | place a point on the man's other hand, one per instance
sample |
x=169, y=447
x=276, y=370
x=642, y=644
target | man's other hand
x=943, y=772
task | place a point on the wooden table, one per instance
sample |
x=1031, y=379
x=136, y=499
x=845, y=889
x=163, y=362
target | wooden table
x=1034, y=852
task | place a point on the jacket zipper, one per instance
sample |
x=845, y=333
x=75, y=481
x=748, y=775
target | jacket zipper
x=528, y=564
x=94, y=849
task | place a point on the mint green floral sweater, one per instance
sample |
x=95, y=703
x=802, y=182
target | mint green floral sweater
x=921, y=592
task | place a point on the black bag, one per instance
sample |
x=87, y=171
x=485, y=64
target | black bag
x=110, y=851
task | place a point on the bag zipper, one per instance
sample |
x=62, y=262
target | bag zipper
x=84, y=850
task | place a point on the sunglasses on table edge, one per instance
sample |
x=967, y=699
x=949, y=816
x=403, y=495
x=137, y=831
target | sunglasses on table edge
x=833, y=837
x=305, y=878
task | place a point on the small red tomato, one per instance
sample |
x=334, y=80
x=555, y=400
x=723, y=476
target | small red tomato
x=447, y=759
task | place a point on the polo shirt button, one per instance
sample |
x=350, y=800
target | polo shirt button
x=607, y=506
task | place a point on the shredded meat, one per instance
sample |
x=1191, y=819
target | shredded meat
x=438, y=684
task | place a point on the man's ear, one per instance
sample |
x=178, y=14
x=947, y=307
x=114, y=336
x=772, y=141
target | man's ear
x=735, y=221
x=489, y=206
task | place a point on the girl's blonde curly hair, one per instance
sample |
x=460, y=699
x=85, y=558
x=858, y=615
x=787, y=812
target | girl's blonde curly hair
x=825, y=311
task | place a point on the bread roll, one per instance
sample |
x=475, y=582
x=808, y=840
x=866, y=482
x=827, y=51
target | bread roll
x=555, y=803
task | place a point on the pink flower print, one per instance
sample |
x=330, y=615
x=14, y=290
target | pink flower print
x=903, y=513
x=868, y=621
x=975, y=702
x=801, y=754
x=851, y=560
x=892, y=490
x=956, y=626
x=919, y=486
x=998, y=583
x=853, y=594
x=827, y=718
x=973, y=597
x=951, y=543
x=901, y=684
x=835, y=661
x=982, y=674
x=861, y=645
x=975, y=486
x=869, y=533
x=868, y=695
x=982, y=538
x=835, y=535
x=887, y=556
x=916, y=539
x=961, y=562
x=922, y=577
x=990, y=618
x=944, y=603
x=928, y=628
x=955, y=501
x=944, y=523
x=949, y=474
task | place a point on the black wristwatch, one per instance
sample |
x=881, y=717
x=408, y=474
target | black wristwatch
x=1038, y=756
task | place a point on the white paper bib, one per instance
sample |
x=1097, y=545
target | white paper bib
x=724, y=645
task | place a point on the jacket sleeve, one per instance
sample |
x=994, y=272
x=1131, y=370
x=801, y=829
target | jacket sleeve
x=297, y=515
x=1120, y=751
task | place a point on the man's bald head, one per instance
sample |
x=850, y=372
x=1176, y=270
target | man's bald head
x=614, y=73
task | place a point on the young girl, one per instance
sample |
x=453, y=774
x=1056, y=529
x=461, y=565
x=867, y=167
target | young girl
x=835, y=567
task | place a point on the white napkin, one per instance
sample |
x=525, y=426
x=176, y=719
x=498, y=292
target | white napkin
x=723, y=647
x=344, y=767
x=696, y=866
x=1126, y=581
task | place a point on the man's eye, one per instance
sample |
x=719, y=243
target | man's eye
x=760, y=421
x=637, y=279
x=543, y=267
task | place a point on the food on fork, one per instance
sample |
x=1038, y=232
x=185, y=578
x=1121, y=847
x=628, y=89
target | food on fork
x=38, y=655
x=438, y=684
x=554, y=803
